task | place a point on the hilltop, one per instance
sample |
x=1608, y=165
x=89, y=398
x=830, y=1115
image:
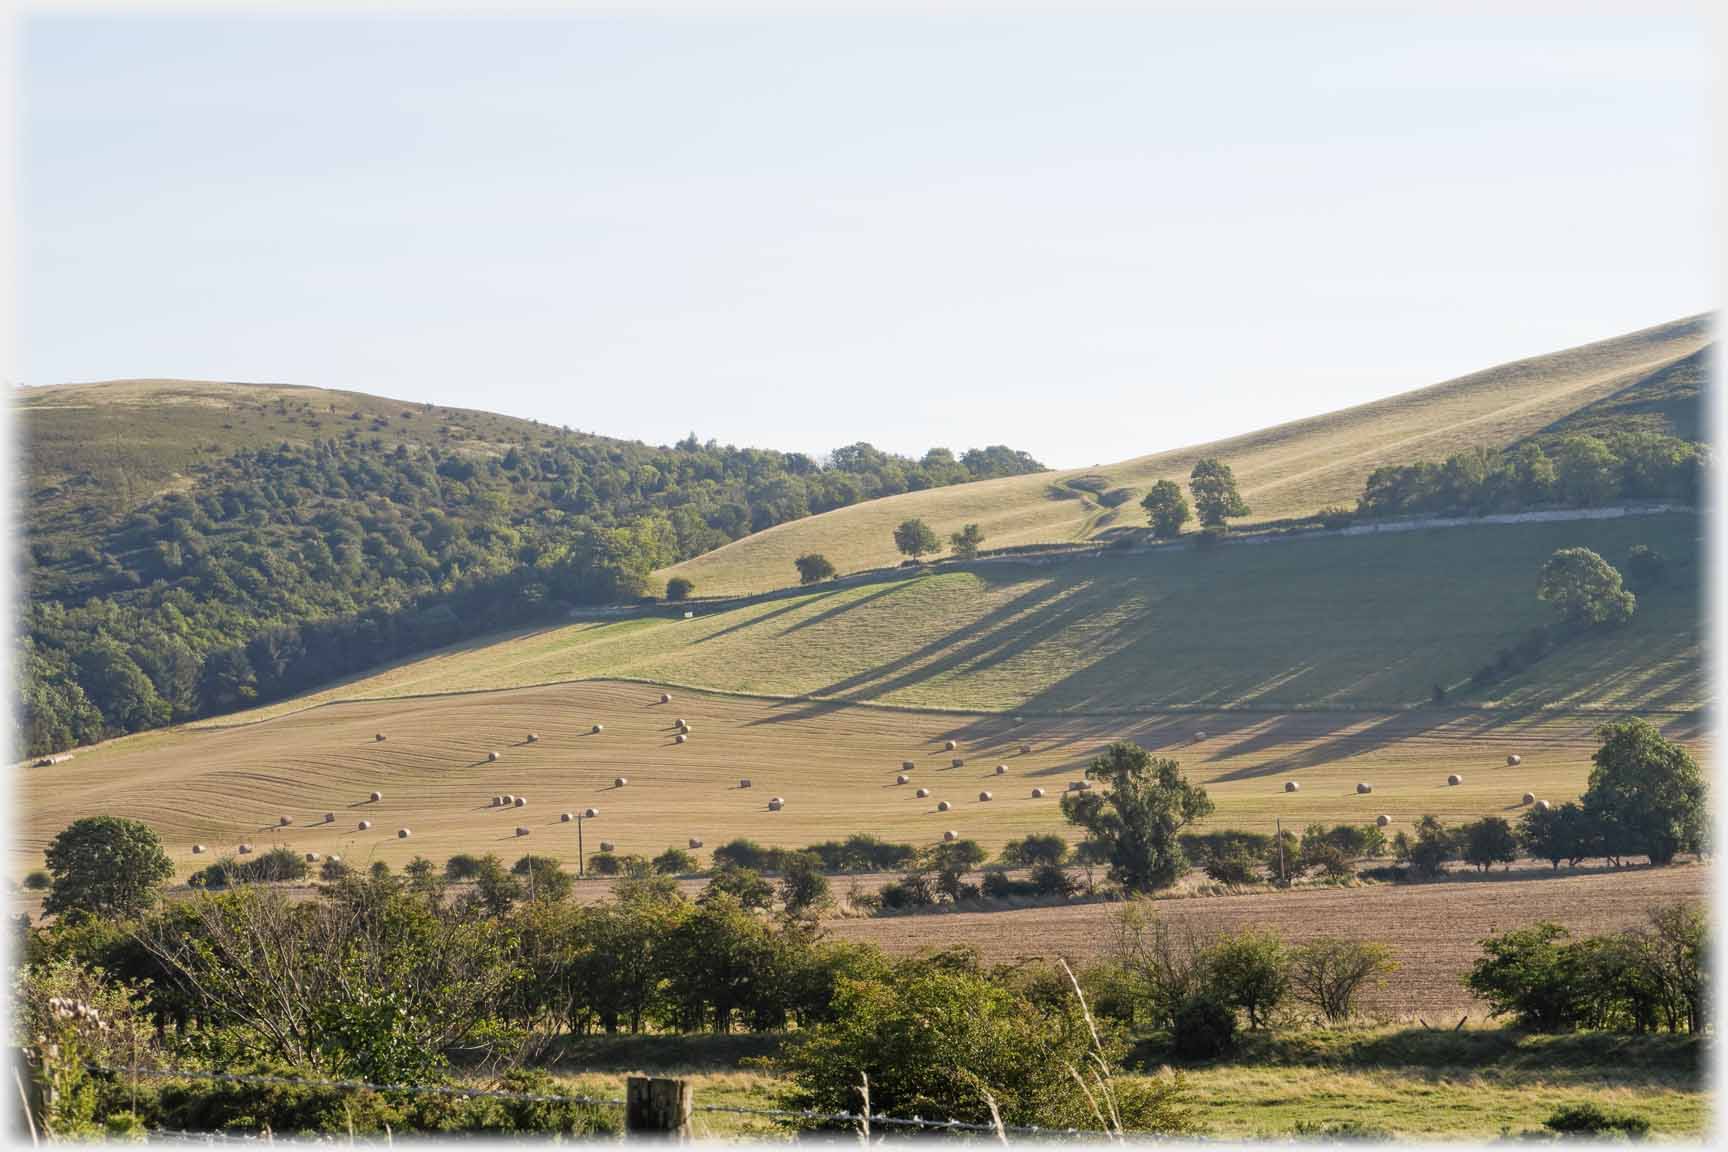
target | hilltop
x=1650, y=378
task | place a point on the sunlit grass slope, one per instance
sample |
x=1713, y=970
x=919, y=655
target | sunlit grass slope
x=1292, y=469
x=1341, y=622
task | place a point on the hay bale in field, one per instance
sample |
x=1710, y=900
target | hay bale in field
x=379, y=737
x=776, y=804
x=521, y=802
x=943, y=806
x=1001, y=769
x=521, y=830
x=1382, y=820
x=311, y=857
x=1527, y=798
x=1543, y=804
x=376, y=796
x=680, y=724
x=923, y=793
x=1037, y=793
x=197, y=849
x=1019, y=719
x=403, y=833
x=590, y=813
x=620, y=781
x=902, y=779
x=950, y=835
x=329, y=817
x=1025, y=749
x=491, y=757
x=695, y=842
x=533, y=737
x=744, y=782
x=244, y=849
x=1514, y=760
x=365, y=825
x=907, y=765
x=1199, y=736
x=665, y=697
x=597, y=729
x=957, y=763
x=284, y=821
x=1454, y=780
x=1292, y=786
x=497, y=802
x=607, y=846
x=509, y=799
x=949, y=746
x=565, y=817
x=335, y=859
x=1364, y=788
x=984, y=797
x=680, y=738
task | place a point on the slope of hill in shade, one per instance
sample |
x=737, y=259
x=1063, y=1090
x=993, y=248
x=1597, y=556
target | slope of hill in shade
x=1371, y=621
x=1293, y=469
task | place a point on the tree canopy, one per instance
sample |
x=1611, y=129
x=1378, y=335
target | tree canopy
x=1584, y=588
x=1215, y=497
x=107, y=866
x=1137, y=818
x=1166, y=509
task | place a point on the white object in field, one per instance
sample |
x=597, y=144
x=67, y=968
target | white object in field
x=680, y=738
x=950, y=835
x=620, y=781
x=744, y=782
x=1364, y=788
x=197, y=849
x=1514, y=760
x=521, y=801
x=311, y=857
x=245, y=849
x=665, y=698
x=984, y=796
x=943, y=806
x=376, y=796
x=695, y=842
x=597, y=729
x=1001, y=769
x=923, y=792
x=365, y=825
x=1454, y=780
x=403, y=833
x=1037, y=793
x=1382, y=820
x=521, y=830
x=565, y=817
x=949, y=746
x=902, y=779
x=607, y=846
x=590, y=813
x=1528, y=798
x=775, y=804
x=1292, y=786
x=491, y=757
x=533, y=737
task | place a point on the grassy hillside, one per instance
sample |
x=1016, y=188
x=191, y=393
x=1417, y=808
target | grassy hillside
x=1339, y=622
x=1292, y=469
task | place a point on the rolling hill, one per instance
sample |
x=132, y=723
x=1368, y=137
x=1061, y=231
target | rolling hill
x=1289, y=470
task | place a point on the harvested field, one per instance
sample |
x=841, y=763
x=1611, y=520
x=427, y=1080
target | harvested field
x=835, y=764
x=1434, y=929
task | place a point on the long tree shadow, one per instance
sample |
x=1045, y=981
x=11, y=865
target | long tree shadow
x=796, y=604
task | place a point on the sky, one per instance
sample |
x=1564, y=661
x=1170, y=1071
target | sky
x=1088, y=236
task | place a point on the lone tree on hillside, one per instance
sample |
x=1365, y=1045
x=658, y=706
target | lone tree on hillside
x=1166, y=509
x=678, y=588
x=914, y=538
x=1215, y=495
x=1489, y=841
x=965, y=542
x=1136, y=821
x=1584, y=588
x=1646, y=793
x=813, y=568
x=106, y=865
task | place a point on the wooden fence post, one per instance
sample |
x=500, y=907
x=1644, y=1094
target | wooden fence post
x=657, y=1106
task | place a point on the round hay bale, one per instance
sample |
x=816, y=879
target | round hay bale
x=950, y=835
x=311, y=857
x=923, y=793
x=957, y=763
x=607, y=846
x=335, y=859
x=565, y=817
x=365, y=825
x=244, y=849
x=597, y=729
x=329, y=817
x=943, y=806
x=1037, y=793
x=1199, y=736
x=902, y=779
x=1527, y=798
x=379, y=737
x=1543, y=804
x=744, y=782
x=491, y=757
x=521, y=801
x=521, y=830
x=949, y=746
x=679, y=723
x=1364, y=788
x=1514, y=760
x=1292, y=786
x=665, y=697
x=590, y=813
x=1025, y=749
x=404, y=833
x=1454, y=780
x=680, y=738
x=197, y=849
x=376, y=796
x=775, y=804
x=497, y=802
x=620, y=781
x=1001, y=769
x=984, y=796
x=1382, y=820
x=284, y=821
x=907, y=765
x=1019, y=719
x=533, y=737
x=509, y=799
x=695, y=843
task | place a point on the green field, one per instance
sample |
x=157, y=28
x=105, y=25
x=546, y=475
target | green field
x=1333, y=623
x=1290, y=470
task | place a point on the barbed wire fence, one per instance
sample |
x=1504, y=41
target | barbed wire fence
x=864, y=1122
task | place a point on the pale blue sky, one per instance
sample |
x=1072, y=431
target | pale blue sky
x=1087, y=236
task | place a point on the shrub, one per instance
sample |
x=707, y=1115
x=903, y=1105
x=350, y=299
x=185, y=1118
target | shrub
x=678, y=588
x=38, y=880
x=742, y=853
x=542, y=877
x=1591, y=1119
x=106, y=865
x=1032, y=850
x=912, y=890
x=1245, y=971
x=1053, y=880
x=673, y=862
x=1236, y=869
x=1204, y=1029
x=276, y=865
x=1328, y=974
x=461, y=866
x=333, y=870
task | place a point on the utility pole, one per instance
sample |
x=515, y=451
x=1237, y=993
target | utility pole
x=1278, y=835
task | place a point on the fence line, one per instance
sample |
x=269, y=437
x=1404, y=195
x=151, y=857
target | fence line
x=849, y=1118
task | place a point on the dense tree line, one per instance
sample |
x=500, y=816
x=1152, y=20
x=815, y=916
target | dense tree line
x=1577, y=471
x=282, y=568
